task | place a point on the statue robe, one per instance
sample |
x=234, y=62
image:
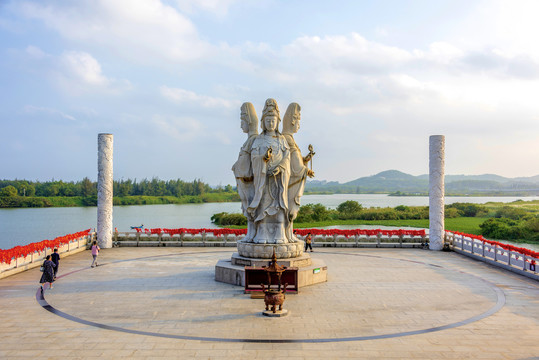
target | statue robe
x=243, y=171
x=269, y=206
x=296, y=186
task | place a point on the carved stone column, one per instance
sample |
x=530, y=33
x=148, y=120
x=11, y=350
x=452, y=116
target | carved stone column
x=104, y=190
x=436, y=191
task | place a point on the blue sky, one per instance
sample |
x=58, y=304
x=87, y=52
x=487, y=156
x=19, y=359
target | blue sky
x=167, y=78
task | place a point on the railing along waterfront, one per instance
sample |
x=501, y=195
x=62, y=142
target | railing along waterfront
x=228, y=237
x=517, y=259
x=21, y=258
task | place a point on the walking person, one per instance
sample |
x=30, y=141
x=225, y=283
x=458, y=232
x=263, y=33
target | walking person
x=48, y=272
x=55, y=258
x=95, y=252
x=308, y=242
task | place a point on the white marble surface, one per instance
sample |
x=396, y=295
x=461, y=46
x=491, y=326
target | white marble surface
x=104, y=190
x=436, y=191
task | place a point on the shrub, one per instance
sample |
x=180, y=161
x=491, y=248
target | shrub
x=402, y=208
x=468, y=209
x=226, y=219
x=510, y=212
x=349, y=209
x=451, y=213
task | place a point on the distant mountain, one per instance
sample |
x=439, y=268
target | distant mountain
x=392, y=181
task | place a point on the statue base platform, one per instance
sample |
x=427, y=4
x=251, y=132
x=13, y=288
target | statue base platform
x=277, y=313
x=310, y=271
x=265, y=251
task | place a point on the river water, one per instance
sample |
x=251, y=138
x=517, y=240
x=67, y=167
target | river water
x=24, y=226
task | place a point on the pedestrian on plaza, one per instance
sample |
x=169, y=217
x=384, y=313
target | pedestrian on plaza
x=308, y=242
x=55, y=258
x=48, y=272
x=95, y=252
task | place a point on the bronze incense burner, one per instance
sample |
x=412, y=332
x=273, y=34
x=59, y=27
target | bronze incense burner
x=274, y=297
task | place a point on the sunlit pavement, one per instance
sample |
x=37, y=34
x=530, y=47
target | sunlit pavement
x=164, y=303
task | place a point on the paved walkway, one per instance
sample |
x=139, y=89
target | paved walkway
x=157, y=303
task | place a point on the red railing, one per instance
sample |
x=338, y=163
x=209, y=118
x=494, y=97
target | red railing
x=23, y=251
x=301, y=232
x=512, y=248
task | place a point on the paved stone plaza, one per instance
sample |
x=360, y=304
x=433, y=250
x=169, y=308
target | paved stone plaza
x=164, y=303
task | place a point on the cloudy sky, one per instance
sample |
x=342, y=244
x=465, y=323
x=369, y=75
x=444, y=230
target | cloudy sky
x=167, y=78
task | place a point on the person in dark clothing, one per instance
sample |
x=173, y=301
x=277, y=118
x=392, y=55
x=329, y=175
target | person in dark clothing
x=55, y=258
x=48, y=272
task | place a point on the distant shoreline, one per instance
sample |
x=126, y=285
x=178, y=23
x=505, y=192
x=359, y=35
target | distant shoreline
x=14, y=202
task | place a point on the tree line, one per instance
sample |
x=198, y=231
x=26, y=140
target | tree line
x=88, y=188
x=504, y=222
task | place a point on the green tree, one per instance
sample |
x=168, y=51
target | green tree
x=88, y=188
x=8, y=191
x=349, y=208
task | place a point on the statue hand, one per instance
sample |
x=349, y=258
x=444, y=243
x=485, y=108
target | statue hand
x=276, y=171
x=310, y=173
x=268, y=155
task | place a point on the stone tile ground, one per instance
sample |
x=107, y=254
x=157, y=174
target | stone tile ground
x=377, y=303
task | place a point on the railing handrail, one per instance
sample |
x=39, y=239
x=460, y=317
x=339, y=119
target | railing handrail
x=512, y=248
x=302, y=232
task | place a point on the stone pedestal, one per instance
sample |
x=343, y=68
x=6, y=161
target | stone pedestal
x=277, y=313
x=265, y=251
x=232, y=271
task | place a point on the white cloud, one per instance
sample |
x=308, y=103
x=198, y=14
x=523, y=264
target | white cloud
x=216, y=7
x=140, y=31
x=182, y=96
x=84, y=67
x=79, y=72
x=35, y=52
x=179, y=128
x=30, y=109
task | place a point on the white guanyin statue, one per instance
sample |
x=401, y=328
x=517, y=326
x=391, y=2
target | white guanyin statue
x=270, y=159
x=271, y=173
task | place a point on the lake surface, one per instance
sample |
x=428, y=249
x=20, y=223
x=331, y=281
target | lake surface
x=24, y=226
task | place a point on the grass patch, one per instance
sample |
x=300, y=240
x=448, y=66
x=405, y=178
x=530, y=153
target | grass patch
x=463, y=224
x=467, y=225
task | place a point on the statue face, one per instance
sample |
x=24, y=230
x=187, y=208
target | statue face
x=297, y=118
x=244, y=121
x=270, y=122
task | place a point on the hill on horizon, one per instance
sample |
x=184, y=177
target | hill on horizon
x=392, y=181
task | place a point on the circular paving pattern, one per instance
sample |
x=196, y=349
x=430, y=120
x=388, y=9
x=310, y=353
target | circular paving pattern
x=367, y=297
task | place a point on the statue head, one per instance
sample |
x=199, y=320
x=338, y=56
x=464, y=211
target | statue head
x=270, y=109
x=291, y=119
x=249, y=120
